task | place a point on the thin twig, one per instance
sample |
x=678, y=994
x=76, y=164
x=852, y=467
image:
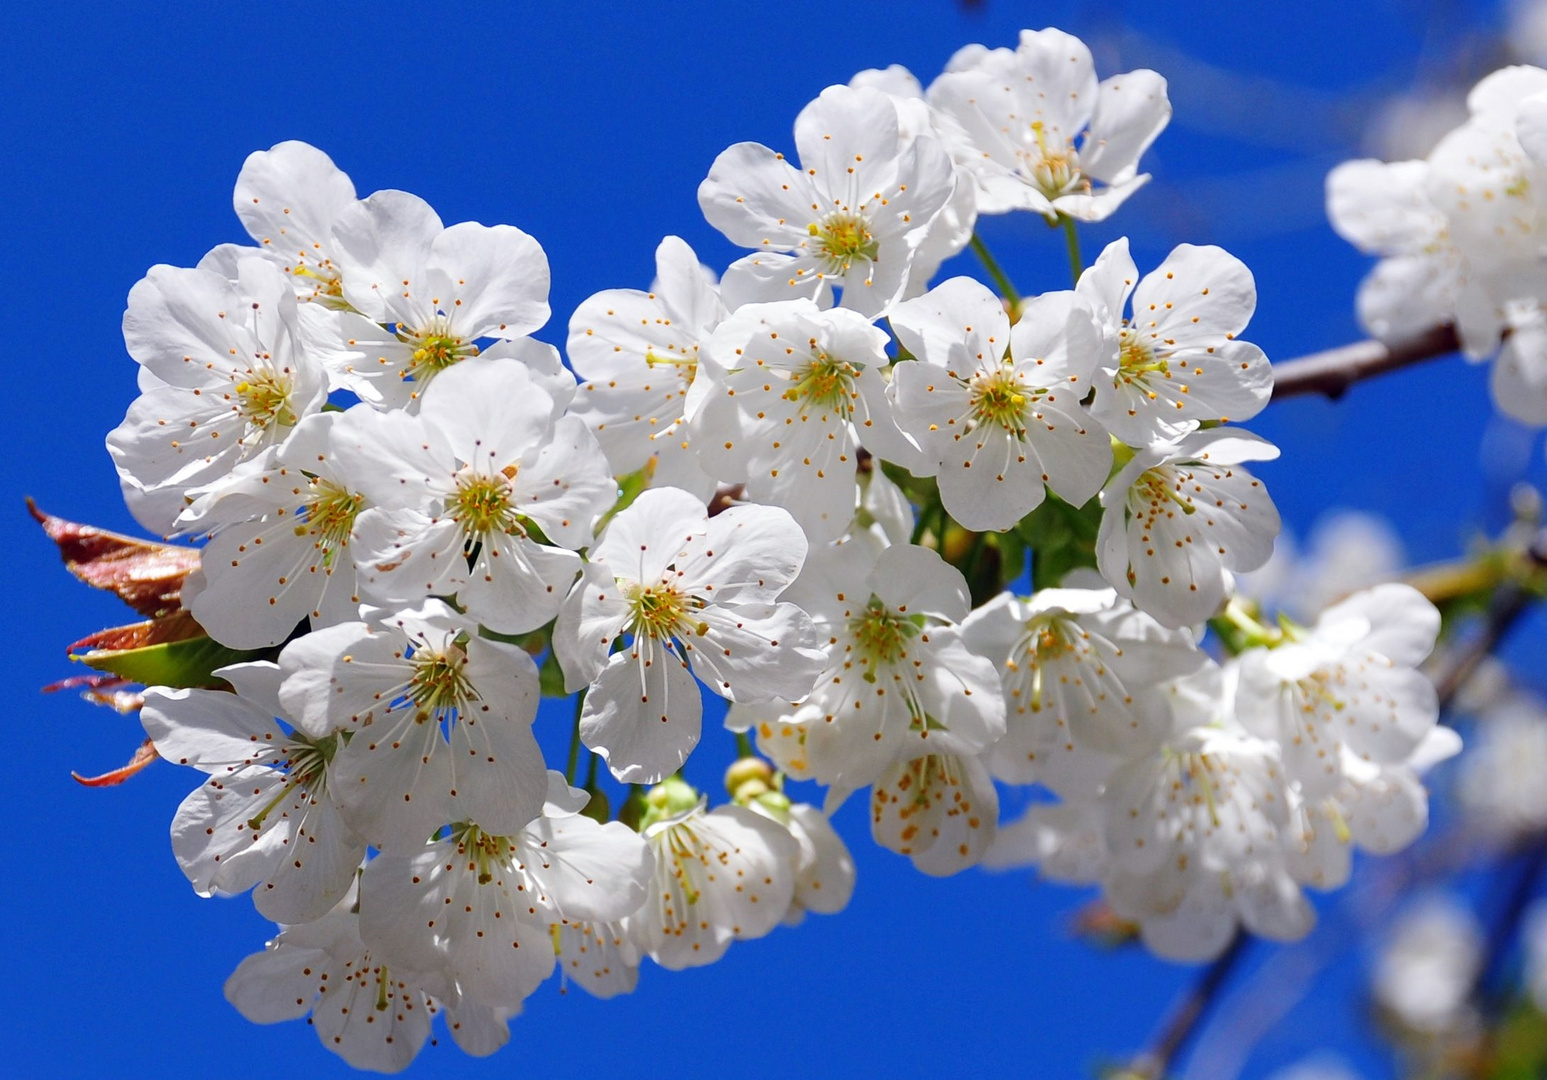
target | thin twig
x=1331, y=373
x=1508, y=603
x=1188, y=1015
x=1490, y=988
x=995, y=271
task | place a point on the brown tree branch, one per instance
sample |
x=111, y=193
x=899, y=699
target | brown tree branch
x=1331, y=373
x=1188, y=1014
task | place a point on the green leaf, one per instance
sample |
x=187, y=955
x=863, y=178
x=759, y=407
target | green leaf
x=1061, y=537
x=188, y=663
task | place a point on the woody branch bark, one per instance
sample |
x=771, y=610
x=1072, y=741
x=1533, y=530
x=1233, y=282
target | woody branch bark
x=1332, y=372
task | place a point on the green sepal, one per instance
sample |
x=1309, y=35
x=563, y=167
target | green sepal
x=630, y=487
x=190, y=663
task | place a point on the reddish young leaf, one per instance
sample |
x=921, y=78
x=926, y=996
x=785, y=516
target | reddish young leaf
x=179, y=626
x=142, y=757
x=109, y=690
x=146, y=575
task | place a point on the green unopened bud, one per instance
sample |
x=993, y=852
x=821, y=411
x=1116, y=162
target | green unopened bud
x=777, y=804
x=745, y=770
x=669, y=798
x=749, y=790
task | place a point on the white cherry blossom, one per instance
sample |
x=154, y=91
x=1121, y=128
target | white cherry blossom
x=1178, y=359
x=997, y=410
x=288, y=198
x=1489, y=188
x=899, y=682
x=721, y=875
x=1499, y=784
x=600, y=956
x=1377, y=808
x=788, y=395
x=223, y=377
x=1350, y=681
x=824, y=869
x=1194, y=826
x=482, y=494
x=940, y=810
x=439, y=722
x=423, y=297
x=638, y=354
x=477, y=906
x=1179, y=517
x=1080, y=670
x=1425, y=974
x=268, y=818
x=852, y=215
x=691, y=595
x=280, y=550
x=1041, y=134
x=373, y=1016
x=1384, y=209
x=1066, y=841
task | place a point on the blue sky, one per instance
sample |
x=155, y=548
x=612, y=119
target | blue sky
x=590, y=126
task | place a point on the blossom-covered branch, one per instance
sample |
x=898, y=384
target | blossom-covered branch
x=811, y=485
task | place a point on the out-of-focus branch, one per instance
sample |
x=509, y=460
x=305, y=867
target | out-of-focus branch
x=1187, y=1015
x=1488, y=988
x=1505, y=608
x=1331, y=373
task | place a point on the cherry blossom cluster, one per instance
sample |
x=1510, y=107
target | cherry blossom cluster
x=1461, y=237
x=1214, y=802
x=807, y=485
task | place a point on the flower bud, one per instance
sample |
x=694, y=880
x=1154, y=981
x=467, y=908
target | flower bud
x=745, y=770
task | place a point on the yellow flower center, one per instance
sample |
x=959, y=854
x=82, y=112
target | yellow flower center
x=486, y=854
x=841, y=238
x=999, y=398
x=661, y=612
x=439, y=683
x=1054, y=171
x=482, y=504
x=329, y=514
x=881, y=636
x=826, y=383
x=264, y=399
x=1136, y=358
x=435, y=347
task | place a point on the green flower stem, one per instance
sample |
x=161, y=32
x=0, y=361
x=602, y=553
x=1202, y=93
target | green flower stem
x=574, y=743
x=1006, y=289
x=1072, y=236
x=744, y=745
